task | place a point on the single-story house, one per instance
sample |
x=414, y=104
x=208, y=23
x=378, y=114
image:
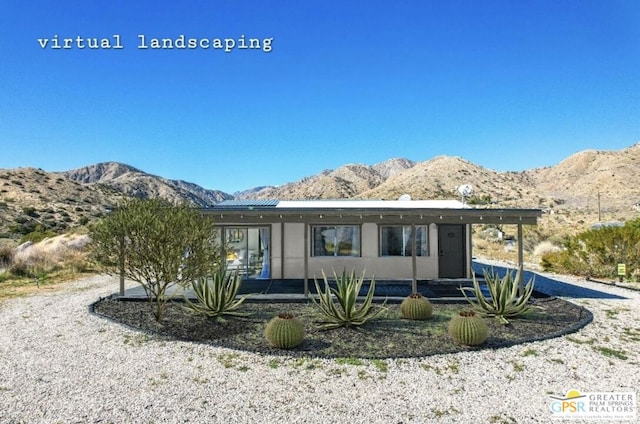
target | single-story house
x=389, y=239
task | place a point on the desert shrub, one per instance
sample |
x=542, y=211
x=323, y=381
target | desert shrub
x=37, y=235
x=22, y=229
x=597, y=252
x=20, y=269
x=30, y=211
x=544, y=248
x=21, y=219
x=158, y=245
x=484, y=199
x=6, y=256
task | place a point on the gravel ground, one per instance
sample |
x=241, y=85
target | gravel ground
x=60, y=364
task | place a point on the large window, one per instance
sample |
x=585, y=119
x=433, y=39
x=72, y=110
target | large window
x=248, y=251
x=338, y=240
x=396, y=240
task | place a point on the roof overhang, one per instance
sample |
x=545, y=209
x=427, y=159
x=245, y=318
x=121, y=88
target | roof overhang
x=391, y=212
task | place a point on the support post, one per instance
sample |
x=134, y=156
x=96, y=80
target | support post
x=414, y=271
x=282, y=236
x=306, y=259
x=520, y=260
x=121, y=265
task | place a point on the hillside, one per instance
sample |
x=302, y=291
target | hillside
x=36, y=200
x=344, y=182
x=133, y=182
x=32, y=199
x=578, y=180
x=569, y=191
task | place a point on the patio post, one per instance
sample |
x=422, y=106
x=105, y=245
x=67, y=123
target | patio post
x=306, y=259
x=520, y=260
x=414, y=275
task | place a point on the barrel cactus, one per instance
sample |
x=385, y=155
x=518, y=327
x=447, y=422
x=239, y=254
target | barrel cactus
x=284, y=331
x=467, y=328
x=416, y=306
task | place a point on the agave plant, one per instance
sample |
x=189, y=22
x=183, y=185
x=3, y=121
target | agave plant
x=217, y=295
x=344, y=311
x=504, y=299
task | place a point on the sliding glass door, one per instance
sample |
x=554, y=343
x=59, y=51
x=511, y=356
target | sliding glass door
x=248, y=251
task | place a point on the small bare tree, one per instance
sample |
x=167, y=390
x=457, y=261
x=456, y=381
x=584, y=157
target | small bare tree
x=157, y=244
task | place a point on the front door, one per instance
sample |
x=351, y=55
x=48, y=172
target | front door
x=451, y=251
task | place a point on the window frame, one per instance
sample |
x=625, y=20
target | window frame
x=422, y=249
x=336, y=252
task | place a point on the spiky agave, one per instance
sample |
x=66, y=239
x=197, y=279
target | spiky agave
x=217, y=295
x=504, y=300
x=344, y=310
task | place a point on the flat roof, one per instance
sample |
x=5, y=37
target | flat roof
x=358, y=211
x=371, y=204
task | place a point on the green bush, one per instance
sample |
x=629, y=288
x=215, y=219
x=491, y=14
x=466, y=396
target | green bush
x=597, y=252
x=156, y=244
x=37, y=235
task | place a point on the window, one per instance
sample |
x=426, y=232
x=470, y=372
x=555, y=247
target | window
x=396, y=240
x=336, y=240
x=247, y=250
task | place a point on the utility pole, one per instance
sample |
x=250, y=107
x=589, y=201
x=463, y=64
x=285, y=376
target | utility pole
x=599, y=213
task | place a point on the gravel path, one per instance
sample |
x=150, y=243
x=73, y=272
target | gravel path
x=60, y=364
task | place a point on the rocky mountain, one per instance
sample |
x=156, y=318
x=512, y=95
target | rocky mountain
x=575, y=183
x=576, y=190
x=580, y=179
x=32, y=199
x=440, y=177
x=346, y=181
x=36, y=200
x=133, y=182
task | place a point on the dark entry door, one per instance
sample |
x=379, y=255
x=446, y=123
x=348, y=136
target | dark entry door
x=451, y=251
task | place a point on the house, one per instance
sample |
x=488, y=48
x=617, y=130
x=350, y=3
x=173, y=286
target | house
x=391, y=240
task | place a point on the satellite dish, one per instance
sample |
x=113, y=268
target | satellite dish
x=465, y=191
x=404, y=197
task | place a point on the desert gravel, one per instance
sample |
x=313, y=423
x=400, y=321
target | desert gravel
x=61, y=364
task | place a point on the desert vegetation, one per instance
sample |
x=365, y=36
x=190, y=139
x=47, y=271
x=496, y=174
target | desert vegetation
x=597, y=252
x=158, y=245
x=45, y=263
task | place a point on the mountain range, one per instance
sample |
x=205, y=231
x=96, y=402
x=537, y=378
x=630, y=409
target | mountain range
x=585, y=183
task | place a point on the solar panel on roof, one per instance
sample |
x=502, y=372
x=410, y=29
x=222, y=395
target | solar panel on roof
x=249, y=203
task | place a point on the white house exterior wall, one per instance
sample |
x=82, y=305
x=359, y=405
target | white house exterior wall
x=388, y=267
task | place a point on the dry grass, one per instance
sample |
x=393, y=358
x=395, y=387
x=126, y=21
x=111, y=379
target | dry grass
x=45, y=265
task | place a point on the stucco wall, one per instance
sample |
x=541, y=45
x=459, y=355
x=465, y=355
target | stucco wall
x=369, y=261
x=289, y=264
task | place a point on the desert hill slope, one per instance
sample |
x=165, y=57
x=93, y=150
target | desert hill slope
x=578, y=179
x=133, y=182
x=33, y=199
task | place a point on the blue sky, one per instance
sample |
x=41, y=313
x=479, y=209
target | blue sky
x=508, y=85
